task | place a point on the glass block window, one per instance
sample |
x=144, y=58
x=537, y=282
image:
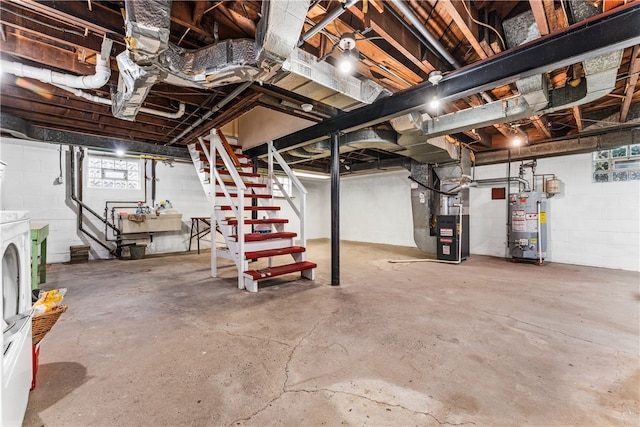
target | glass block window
x=114, y=173
x=286, y=183
x=617, y=164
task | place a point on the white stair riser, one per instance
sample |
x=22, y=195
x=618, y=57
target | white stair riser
x=263, y=245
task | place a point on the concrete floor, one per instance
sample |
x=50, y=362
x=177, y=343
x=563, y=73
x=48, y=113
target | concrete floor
x=158, y=342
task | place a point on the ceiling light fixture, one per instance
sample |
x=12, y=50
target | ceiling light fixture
x=518, y=137
x=310, y=174
x=307, y=107
x=347, y=44
x=434, y=78
x=120, y=152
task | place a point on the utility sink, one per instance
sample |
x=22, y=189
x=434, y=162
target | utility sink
x=149, y=223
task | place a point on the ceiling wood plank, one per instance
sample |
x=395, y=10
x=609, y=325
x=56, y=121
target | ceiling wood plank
x=632, y=81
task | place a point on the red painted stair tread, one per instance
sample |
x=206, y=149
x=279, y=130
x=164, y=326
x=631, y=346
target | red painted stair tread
x=274, y=252
x=253, y=208
x=247, y=184
x=250, y=174
x=259, y=221
x=280, y=270
x=242, y=165
x=250, y=195
x=254, y=237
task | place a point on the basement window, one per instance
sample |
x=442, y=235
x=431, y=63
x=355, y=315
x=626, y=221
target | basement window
x=286, y=183
x=113, y=173
x=617, y=164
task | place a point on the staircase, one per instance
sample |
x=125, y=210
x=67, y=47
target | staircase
x=237, y=193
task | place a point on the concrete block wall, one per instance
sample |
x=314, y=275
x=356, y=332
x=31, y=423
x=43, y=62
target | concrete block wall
x=593, y=224
x=28, y=184
x=376, y=208
x=317, y=210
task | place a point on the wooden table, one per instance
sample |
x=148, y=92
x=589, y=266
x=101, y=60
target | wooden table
x=39, y=233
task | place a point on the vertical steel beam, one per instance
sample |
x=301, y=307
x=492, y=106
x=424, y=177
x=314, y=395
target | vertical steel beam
x=335, y=209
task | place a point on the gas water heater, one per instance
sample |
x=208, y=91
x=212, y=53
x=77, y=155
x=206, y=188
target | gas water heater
x=528, y=214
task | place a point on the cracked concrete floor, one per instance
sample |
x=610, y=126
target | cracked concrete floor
x=157, y=342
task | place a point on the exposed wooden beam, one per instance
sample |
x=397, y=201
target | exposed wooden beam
x=541, y=127
x=577, y=115
x=51, y=57
x=42, y=28
x=480, y=136
x=539, y=14
x=385, y=25
x=242, y=22
x=86, y=124
x=101, y=20
x=634, y=70
x=457, y=11
x=372, y=51
x=72, y=104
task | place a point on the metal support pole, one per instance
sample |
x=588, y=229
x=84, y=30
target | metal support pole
x=335, y=209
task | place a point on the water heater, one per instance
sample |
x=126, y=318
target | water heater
x=528, y=233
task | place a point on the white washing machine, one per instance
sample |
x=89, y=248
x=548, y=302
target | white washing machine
x=15, y=315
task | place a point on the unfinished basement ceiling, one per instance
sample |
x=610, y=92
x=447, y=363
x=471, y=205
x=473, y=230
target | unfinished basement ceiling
x=398, y=44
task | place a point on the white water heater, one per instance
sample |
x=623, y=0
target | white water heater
x=528, y=232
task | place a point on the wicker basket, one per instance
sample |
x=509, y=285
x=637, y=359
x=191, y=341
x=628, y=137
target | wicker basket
x=42, y=323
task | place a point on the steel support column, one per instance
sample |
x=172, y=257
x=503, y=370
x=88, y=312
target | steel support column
x=580, y=41
x=335, y=209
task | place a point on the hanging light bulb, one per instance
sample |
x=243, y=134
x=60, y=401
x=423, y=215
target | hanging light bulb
x=435, y=102
x=347, y=44
x=346, y=63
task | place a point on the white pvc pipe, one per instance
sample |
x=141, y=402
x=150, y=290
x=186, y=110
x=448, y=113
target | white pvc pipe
x=99, y=100
x=94, y=81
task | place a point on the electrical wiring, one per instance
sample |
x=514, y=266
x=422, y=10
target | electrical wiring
x=464, y=3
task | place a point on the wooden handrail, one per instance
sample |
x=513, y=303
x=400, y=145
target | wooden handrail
x=227, y=147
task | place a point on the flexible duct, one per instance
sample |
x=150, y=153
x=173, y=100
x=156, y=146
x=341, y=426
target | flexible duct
x=94, y=81
x=150, y=57
x=381, y=138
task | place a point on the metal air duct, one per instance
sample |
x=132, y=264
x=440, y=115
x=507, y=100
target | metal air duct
x=151, y=58
x=380, y=137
